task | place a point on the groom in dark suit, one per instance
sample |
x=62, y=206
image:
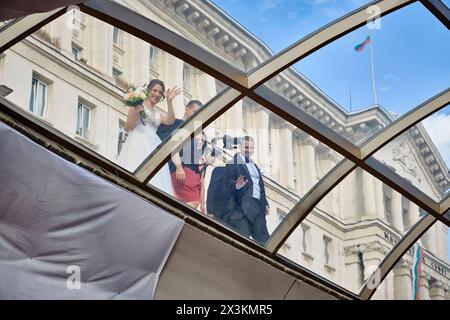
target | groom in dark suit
x=245, y=206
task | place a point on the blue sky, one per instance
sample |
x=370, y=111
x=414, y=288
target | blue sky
x=411, y=54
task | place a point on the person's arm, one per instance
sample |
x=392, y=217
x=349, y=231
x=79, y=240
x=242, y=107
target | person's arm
x=179, y=170
x=202, y=194
x=133, y=117
x=234, y=184
x=168, y=117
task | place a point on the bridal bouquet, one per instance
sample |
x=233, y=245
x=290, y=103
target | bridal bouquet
x=135, y=97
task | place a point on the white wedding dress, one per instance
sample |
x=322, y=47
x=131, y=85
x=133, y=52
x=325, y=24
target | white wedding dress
x=141, y=141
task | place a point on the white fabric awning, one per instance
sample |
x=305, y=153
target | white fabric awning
x=60, y=223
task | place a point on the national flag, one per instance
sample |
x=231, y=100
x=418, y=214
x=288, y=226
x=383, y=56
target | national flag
x=416, y=268
x=361, y=46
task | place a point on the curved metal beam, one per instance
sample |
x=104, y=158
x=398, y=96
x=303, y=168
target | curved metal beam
x=399, y=126
x=444, y=205
x=22, y=27
x=318, y=39
x=150, y=31
x=368, y=289
x=308, y=203
x=212, y=110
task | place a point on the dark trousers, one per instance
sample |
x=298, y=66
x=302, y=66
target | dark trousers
x=251, y=223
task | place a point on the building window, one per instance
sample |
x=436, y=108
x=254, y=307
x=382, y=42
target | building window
x=84, y=120
x=326, y=250
x=388, y=208
x=122, y=136
x=76, y=52
x=38, y=98
x=305, y=238
x=116, y=36
x=152, y=55
x=116, y=72
x=405, y=218
x=281, y=215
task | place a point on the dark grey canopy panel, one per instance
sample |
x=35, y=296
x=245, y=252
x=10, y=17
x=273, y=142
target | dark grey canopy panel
x=67, y=234
x=20, y=8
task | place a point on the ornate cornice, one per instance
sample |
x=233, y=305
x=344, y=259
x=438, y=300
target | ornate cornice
x=430, y=157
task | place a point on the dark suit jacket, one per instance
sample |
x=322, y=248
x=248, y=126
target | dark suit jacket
x=237, y=203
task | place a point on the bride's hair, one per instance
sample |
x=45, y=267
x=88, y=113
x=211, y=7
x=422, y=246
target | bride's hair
x=153, y=83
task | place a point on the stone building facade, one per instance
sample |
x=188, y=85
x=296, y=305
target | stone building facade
x=72, y=73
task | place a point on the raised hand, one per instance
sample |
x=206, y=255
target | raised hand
x=172, y=93
x=240, y=182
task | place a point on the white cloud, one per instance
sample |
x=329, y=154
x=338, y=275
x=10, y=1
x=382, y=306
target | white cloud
x=437, y=127
x=385, y=88
x=390, y=78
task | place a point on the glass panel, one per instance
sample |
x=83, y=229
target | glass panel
x=33, y=94
x=351, y=230
x=4, y=24
x=335, y=84
x=433, y=270
x=41, y=98
x=243, y=33
x=291, y=163
x=421, y=155
x=99, y=76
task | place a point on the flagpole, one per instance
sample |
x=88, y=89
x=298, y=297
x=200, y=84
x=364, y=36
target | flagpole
x=373, y=72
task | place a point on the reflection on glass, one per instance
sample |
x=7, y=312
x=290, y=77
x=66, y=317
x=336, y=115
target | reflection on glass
x=5, y=23
x=282, y=161
x=367, y=79
x=351, y=230
x=243, y=33
x=423, y=273
x=281, y=23
x=421, y=155
x=75, y=72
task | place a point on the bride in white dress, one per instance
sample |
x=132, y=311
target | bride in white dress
x=142, y=138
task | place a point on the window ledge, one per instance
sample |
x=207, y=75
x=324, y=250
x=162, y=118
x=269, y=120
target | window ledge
x=329, y=268
x=307, y=256
x=85, y=142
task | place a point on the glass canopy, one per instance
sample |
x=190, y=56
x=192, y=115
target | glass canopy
x=422, y=273
x=104, y=62
x=429, y=140
x=369, y=78
x=327, y=216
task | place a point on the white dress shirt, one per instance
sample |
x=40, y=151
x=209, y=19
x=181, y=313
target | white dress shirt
x=254, y=174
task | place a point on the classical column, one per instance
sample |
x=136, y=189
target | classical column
x=368, y=189
x=286, y=157
x=298, y=167
x=402, y=281
x=437, y=291
x=99, y=45
x=261, y=122
x=330, y=161
x=379, y=201
x=137, y=61
x=424, y=293
x=413, y=214
x=430, y=237
x=205, y=87
x=349, y=201
x=173, y=76
x=441, y=235
x=396, y=211
x=389, y=286
x=275, y=146
x=308, y=152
